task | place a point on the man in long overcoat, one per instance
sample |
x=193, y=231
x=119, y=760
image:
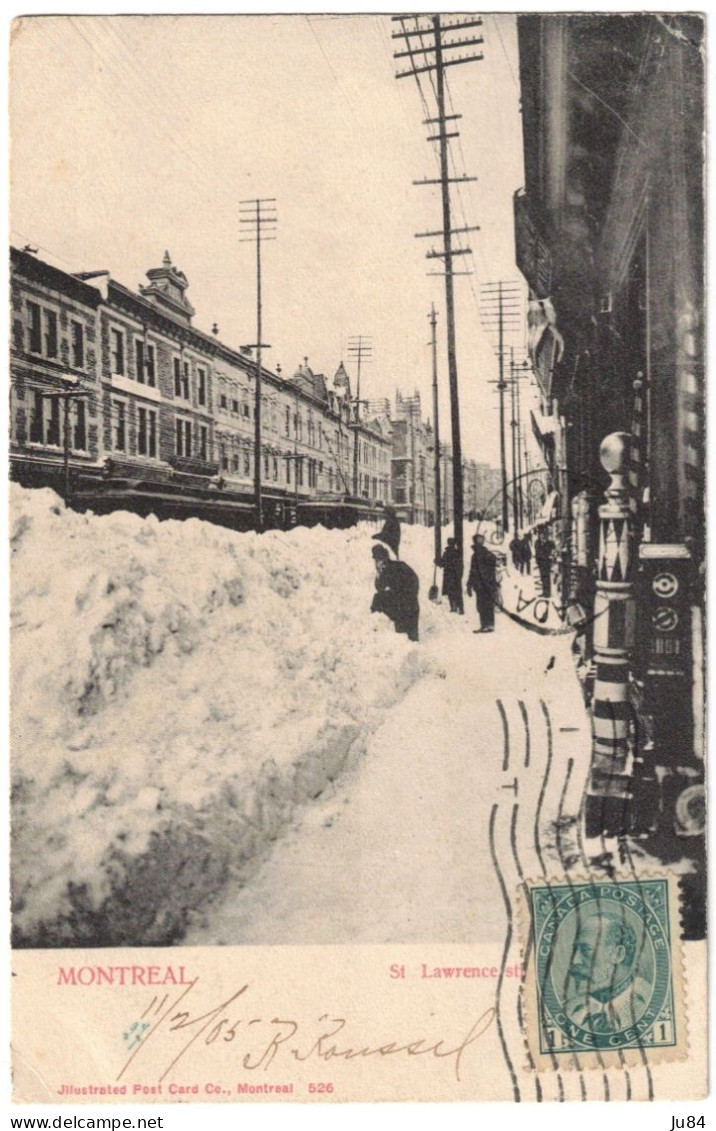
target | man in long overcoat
x=451, y=565
x=482, y=581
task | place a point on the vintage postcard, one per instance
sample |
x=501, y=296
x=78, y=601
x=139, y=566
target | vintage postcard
x=357, y=536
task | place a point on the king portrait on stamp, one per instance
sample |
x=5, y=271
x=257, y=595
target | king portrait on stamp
x=605, y=957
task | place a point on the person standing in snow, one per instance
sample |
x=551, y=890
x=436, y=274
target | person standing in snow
x=516, y=552
x=526, y=554
x=396, y=592
x=482, y=581
x=543, y=557
x=390, y=534
x=451, y=565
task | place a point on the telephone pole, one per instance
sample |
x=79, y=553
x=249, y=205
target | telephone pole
x=500, y=309
x=257, y=217
x=436, y=56
x=436, y=434
x=360, y=348
x=518, y=373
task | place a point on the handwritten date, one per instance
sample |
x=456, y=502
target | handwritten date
x=177, y=1027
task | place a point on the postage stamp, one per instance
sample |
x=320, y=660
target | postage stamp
x=604, y=985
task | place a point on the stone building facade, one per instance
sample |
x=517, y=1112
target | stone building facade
x=120, y=399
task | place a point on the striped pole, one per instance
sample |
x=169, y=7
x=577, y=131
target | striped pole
x=609, y=786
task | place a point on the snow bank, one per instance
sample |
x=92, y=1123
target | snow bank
x=177, y=690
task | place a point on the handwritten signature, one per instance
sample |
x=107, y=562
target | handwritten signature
x=262, y=1041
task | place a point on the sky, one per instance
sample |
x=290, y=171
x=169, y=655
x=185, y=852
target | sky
x=135, y=135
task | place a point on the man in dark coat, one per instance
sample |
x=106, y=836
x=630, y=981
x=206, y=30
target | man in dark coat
x=396, y=592
x=451, y=565
x=516, y=551
x=543, y=557
x=526, y=554
x=390, y=534
x=482, y=581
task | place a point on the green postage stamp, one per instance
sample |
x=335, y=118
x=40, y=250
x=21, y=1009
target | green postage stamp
x=605, y=973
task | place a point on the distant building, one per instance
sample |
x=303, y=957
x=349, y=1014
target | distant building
x=118, y=396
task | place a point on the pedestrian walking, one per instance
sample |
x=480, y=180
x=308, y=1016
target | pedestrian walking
x=516, y=552
x=390, y=534
x=526, y=554
x=482, y=581
x=396, y=592
x=451, y=565
x=543, y=557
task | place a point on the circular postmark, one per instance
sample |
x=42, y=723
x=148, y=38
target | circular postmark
x=533, y=597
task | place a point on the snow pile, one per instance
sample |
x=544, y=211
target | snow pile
x=177, y=690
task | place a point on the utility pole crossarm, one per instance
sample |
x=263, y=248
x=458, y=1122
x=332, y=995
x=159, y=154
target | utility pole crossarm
x=448, y=254
x=454, y=232
x=434, y=66
x=443, y=180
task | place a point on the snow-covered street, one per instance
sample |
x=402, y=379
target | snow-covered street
x=215, y=742
x=398, y=849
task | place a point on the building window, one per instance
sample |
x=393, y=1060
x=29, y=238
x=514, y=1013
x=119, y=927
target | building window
x=150, y=365
x=42, y=330
x=203, y=442
x=79, y=425
x=235, y=461
x=266, y=464
x=34, y=327
x=50, y=333
x=299, y=472
x=183, y=437
x=247, y=461
x=116, y=338
x=235, y=405
x=245, y=410
x=275, y=467
x=139, y=360
x=177, y=377
x=45, y=420
x=185, y=381
x=119, y=426
x=201, y=385
x=146, y=363
x=78, y=345
x=223, y=458
x=288, y=421
x=147, y=432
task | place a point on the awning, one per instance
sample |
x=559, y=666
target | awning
x=547, y=512
x=542, y=426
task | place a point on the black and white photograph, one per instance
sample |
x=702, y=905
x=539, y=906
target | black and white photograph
x=358, y=556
